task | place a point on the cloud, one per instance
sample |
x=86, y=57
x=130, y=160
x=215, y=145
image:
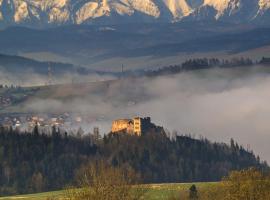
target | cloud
x=218, y=104
x=214, y=107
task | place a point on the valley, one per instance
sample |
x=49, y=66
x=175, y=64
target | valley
x=145, y=46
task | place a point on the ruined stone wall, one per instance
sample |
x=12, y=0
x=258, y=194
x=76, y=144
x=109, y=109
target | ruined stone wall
x=122, y=125
x=136, y=126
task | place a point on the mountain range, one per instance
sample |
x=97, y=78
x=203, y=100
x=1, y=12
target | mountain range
x=58, y=12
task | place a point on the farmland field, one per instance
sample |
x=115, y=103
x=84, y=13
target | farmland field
x=154, y=192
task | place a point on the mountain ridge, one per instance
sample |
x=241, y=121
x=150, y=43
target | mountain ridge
x=59, y=12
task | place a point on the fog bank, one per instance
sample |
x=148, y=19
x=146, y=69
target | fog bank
x=217, y=104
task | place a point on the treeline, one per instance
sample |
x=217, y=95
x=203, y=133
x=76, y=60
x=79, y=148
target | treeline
x=34, y=162
x=207, y=63
x=9, y=86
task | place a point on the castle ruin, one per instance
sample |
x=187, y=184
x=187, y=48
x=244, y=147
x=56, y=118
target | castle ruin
x=136, y=126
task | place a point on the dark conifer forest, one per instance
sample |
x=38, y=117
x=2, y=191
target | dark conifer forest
x=35, y=162
x=208, y=63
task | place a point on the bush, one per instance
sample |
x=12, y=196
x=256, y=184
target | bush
x=248, y=184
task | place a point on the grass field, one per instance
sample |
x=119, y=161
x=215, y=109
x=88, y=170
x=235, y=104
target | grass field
x=154, y=192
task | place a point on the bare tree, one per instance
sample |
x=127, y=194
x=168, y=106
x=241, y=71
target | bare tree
x=100, y=181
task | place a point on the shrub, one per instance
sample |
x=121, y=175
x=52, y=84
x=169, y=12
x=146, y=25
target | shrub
x=248, y=184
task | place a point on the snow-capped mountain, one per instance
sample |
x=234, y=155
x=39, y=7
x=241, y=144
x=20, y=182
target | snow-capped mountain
x=57, y=12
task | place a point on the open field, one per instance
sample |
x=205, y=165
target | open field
x=155, y=192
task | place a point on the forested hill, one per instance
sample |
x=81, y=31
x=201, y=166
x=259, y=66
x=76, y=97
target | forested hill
x=33, y=162
x=206, y=63
x=17, y=64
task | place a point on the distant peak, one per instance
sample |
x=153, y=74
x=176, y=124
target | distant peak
x=57, y=12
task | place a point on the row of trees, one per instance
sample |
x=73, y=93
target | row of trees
x=8, y=86
x=207, y=63
x=35, y=162
x=265, y=61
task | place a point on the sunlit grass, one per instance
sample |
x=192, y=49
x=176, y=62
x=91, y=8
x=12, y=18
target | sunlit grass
x=154, y=192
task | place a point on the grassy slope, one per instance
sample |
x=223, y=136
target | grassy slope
x=155, y=192
x=59, y=92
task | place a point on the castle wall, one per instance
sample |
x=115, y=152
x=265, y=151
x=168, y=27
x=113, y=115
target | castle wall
x=122, y=125
x=136, y=126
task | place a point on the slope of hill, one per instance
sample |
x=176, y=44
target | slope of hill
x=21, y=71
x=57, y=12
x=141, y=46
x=17, y=64
x=38, y=162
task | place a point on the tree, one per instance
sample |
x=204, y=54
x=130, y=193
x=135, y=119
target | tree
x=35, y=130
x=100, y=181
x=37, y=182
x=249, y=184
x=193, y=193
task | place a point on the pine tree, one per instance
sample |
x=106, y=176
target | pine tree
x=193, y=193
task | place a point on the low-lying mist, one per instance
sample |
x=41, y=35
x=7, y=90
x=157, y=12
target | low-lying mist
x=218, y=104
x=29, y=78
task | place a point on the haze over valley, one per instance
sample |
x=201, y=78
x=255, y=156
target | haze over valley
x=214, y=103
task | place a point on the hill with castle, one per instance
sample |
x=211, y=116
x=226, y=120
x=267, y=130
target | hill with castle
x=155, y=155
x=147, y=149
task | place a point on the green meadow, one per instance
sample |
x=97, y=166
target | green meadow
x=154, y=192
